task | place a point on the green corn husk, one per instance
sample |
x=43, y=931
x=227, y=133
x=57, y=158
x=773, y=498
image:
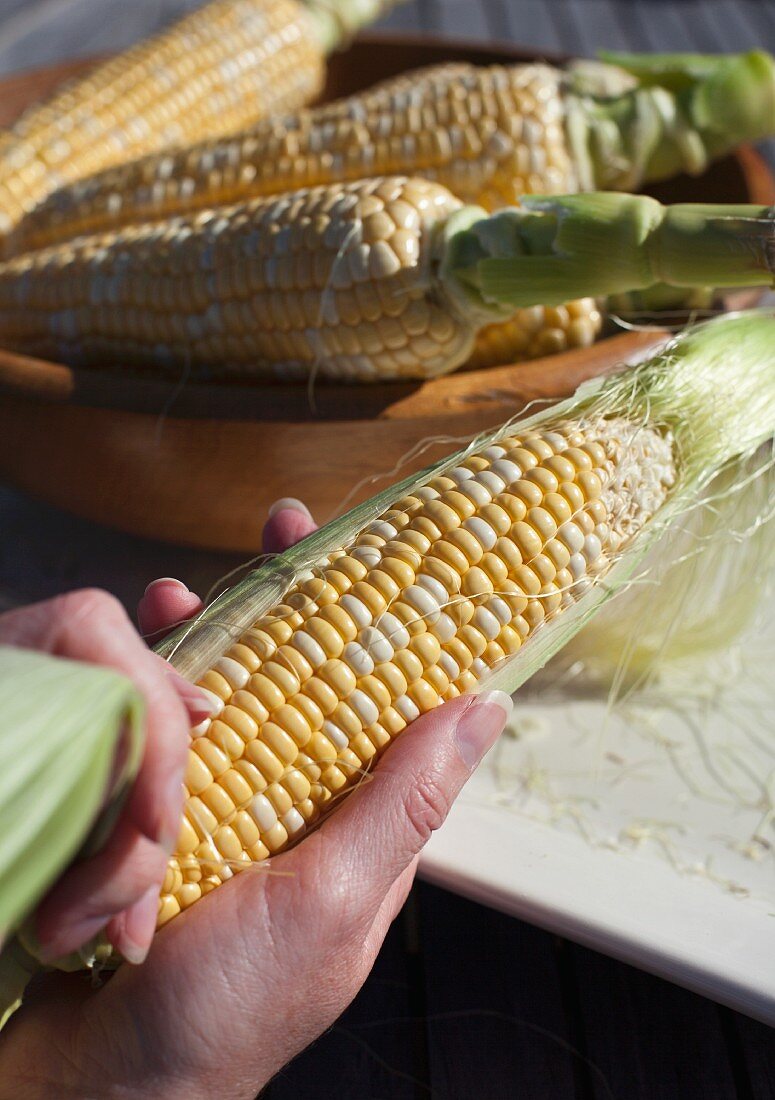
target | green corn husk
x=61, y=784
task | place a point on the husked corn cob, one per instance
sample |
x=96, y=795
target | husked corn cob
x=489, y=134
x=377, y=279
x=440, y=589
x=216, y=71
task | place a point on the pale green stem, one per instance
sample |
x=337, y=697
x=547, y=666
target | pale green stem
x=552, y=249
x=337, y=21
x=686, y=110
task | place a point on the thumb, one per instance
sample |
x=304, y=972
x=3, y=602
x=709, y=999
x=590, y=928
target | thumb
x=381, y=828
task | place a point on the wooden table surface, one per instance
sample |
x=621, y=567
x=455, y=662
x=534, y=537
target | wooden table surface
x=464, y=1003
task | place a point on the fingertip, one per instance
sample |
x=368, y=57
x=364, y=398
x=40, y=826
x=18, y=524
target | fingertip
x=165, y=582
x=285, y=528
x=165, y=603
x=289, y=504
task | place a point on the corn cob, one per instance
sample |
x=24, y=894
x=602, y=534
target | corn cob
x=378, y=279
x=446, y=584
x=496, y=551
x=488, y=134
x=214, y=72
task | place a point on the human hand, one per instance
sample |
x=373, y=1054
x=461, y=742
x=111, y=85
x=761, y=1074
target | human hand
x=257, y=969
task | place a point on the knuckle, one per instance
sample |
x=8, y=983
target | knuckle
x=87, y=603
x=426, y=805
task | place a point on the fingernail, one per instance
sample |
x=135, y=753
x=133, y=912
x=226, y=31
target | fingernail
x=289, y=504
x=171, y=816
x=139, y=925
x=206, y=702
x=166, y=580
x=481, y=725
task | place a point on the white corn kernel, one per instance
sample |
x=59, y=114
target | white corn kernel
x=490, y=481
x=336, y=736
x=436, y=588
x=482, y=531
x=577, y=566
x=309, y=648
x=293, y=821
x=356, y=609
x=263, y=812
x=459, y=474
x=406, y=708
x=592, y=548
x=232, y=671
x=507, y=470
x=366, y=555
x=500, y=609
x=476, y=492
x=358, y=658
x=572, y=536
x=394, y=630
x=449, y=665
x=444, y=628
x=423, y=602
x=366, y=709
x=376, y=644
x=486, y=622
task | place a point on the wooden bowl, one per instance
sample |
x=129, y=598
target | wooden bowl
x=200, y=463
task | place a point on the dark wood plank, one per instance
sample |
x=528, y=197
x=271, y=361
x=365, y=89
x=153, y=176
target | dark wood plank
x=650, y=1039
x=40, y=33
x=372, y=1050
x=754, y=1045
x=728, y=25
x=495, y=1006
x=458, y=18
x=404, y=17
x=44, y=551
x=530, y=23
x=598, y=27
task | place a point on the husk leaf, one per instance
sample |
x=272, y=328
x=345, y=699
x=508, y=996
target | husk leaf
x=61, y=727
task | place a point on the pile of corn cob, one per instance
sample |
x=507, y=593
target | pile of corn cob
x=184, y=258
